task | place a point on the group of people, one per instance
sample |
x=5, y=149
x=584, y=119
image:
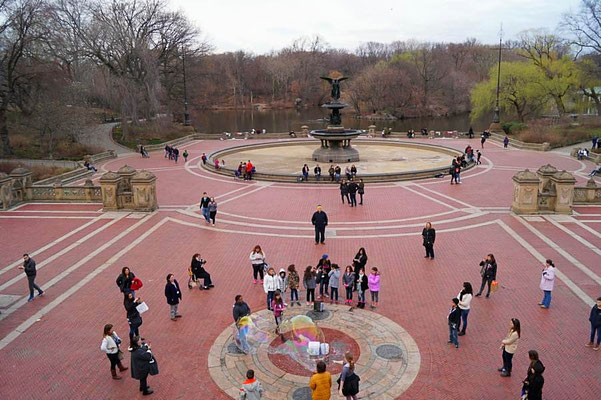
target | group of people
x=172, y=153
x=208, y=207
x=245, y=170
x=349, y=190
x=335, y=172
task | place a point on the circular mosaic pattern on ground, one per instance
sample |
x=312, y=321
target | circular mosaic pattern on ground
x=381, y=378
x=336, y=339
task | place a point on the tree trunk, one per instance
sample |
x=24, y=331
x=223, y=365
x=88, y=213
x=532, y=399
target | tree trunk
x=561, y=109
x=6, y=149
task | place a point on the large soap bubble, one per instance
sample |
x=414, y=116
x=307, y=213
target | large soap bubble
x=296, y=333
x=251, y=332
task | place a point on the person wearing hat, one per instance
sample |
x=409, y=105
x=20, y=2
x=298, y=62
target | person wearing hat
x=320, y=221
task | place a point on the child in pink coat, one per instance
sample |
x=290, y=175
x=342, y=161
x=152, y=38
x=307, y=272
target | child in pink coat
x=373, y=281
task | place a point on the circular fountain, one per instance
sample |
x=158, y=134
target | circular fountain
x=335, y=140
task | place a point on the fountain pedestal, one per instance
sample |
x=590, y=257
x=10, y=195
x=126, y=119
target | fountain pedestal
x=335, y=145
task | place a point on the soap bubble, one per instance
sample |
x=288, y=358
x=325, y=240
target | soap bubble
x=296, y=333
x=251, y=332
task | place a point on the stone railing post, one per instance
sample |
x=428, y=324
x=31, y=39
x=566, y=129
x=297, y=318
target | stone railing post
x=143, y=187
x=89, y=189
x=23, y=176
x=591, y=188
x=305, y=130
x=6, y=195
x=371, y=130
x=564, y=188
x=108, y=184
x=545, y=173
x=525, y=192
x=58, y=190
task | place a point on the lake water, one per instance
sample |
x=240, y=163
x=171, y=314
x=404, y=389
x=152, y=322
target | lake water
x=291, y=120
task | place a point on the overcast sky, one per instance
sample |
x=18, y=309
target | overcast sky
x=260, y=26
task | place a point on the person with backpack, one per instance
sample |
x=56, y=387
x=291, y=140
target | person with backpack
x=251, y=388
x=348, y=382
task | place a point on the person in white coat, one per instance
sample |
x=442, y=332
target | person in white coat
x=110, y=346
x=257, y=259
x=547, y=282
x=270, y=285
x=465, y=298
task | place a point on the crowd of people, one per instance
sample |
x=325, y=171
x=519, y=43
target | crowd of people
x=172, y=153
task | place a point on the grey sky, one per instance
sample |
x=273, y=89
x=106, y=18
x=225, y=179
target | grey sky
x=262, y=25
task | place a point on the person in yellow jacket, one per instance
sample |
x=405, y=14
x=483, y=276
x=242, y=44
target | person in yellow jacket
x=321, y=383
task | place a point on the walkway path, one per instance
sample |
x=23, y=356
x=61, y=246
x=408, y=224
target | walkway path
x=100, y=136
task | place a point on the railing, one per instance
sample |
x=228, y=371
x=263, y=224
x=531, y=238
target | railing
x=589, y=194
x=66, y=193
x=497, y=137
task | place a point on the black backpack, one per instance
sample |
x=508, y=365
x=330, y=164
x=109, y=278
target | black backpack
x=351, y=385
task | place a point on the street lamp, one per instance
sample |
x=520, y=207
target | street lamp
x=495, y=119
x=186, y=111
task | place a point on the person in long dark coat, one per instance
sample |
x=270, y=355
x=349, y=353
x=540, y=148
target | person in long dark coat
x=133, y=316
x=429, y=236
x=141, y=364
x=344, y=192
x=359, y=261
x=320, y=221
x=533, y=384
x=173, y=295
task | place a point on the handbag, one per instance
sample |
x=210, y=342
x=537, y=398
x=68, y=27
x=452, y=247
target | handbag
x=136, y=284
x=483, y=270
x=153, y=366
x=142, y=307
x=191, y=283
x=494, y=286
x=120, y=355
x=265, y=266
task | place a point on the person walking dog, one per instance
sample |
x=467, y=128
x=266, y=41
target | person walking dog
x=547, y=281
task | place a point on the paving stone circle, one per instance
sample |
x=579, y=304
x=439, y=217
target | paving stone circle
x=318, y=315
x=388, y=364
x=389, y=352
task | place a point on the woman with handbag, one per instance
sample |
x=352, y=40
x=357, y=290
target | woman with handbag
x=509, y=345
x=257, y=259
x=348, y=382
x=143, y=364
x=110, y=345
x=125, y=279
x=133, y=316
x=533, y=384
x=488, y=272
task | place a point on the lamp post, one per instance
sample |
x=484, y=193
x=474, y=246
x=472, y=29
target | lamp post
x=186, y=111
x=495, y=119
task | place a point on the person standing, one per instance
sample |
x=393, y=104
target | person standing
x=257, y=259
x=175, y=154
x=269, y=286
x=471, y=133
x=595, y=142
x=334, y=283
x=429, y=236
x=142, y=362
x=293, y=282
x=348, y=280
x=278, y=306
x=185, y=155
x=321, y=383
x=320, y=221
x=453, y=171
x=110, y=346
x=533, y=384
x=478, y=162
x=453, y=319
x=465, y=298
x=203, y=158
x=204, y=206
x=488, y=272
x=547, y=281
x=348, y=375
x=361, y=191
x=374, y=287
x=317, y=172
x=212, y=210
x=362, y=286
x=251, y=388
x=241, y=310
x=29, y=269
x=352, y=191
x=337, y=173
x=505, y=142
x=309, y=284
x=173, y=295
x=344, y=192
x=324, y=265
x=133, y=316
x=359, y=261
x=482, y=140
x=125, y=279
x=249, y=170
x=595, y=320
x=509, y=346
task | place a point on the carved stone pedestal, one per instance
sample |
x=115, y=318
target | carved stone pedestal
x=525, y=192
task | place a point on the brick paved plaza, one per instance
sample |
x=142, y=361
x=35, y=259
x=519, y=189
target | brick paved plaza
x=49, y=348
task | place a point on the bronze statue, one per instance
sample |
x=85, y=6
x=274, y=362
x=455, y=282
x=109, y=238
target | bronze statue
x=335, y=82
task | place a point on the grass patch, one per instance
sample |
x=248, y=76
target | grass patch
x=556, y=134
x=149, y=133
x=37, y=172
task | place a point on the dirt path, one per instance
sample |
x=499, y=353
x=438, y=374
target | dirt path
x=100, y=136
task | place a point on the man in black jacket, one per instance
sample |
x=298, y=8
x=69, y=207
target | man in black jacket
x=454, y=317
x=429, y=236
x=241, y=309
x=30, y=271
x=204, y=206
x=352, y=191
x=320, y=221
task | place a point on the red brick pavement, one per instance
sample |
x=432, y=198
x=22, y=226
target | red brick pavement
x=58, y=356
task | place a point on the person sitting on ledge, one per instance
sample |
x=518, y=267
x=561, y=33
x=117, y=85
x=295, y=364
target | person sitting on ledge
x=90, y=167
x=292, y=134
x=595, y=172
